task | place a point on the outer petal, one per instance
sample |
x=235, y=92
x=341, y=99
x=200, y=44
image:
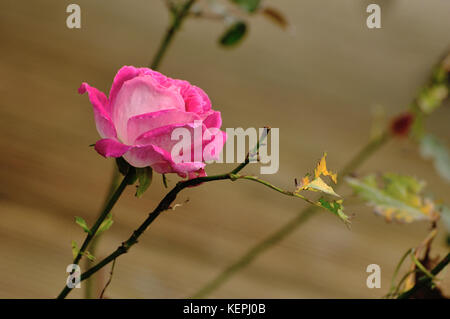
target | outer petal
x=143, y=123
x=139, y=96
x=159, y=77
x=159, y=160
x=124, y=74
x=213, y=120
x=149, y=155
x=191, y=170
x=199, y=173
x=162, y=137
x=111, y=148
x=102, y=118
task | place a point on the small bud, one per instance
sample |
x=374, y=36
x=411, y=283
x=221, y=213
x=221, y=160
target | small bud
x=401, y=125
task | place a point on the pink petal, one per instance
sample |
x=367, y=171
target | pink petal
x=100, y=104
x=213, y=120
x=139, y=96
x=214, y=146
x=196, y=100
x=143, y=123
x=198, y=173
x=149, y=155
x=162, y=137
x=124, y=74
x=111, y=148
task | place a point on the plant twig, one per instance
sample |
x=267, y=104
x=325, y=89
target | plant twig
x=90, y=284
x=178, y=18
x=164, y=205
x=111, y=273
x=426, y=280
x=112, y=201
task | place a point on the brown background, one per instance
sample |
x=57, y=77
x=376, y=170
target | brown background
x=318, y=84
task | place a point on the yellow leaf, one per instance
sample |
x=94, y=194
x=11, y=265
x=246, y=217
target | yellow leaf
x=319, y=185
x=321, y=168
x=305, y=181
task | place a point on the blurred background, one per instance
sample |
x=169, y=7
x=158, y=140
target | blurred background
x=319, y=83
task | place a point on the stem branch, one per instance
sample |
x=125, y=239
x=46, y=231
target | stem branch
x=426, y=280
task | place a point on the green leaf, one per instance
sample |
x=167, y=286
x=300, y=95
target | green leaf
x=89, y=256
x=399, y=198
x=233, y=34
x=75, y=249
x=105, y=225
x=82, y=223
x=433, y=148
x=145, y=176
x=248, y=5
x=336, y=208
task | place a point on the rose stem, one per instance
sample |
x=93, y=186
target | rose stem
x=167, y=39
x=174, y=27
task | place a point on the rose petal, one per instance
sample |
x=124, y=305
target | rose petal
x=111, y=148
x=143, y=123
x=213, y=147
x=148, y=155
x=162, y=137
x=124, y=74
x=213, y=120
x=196, y=100
x=100, y=104
x=139, y=96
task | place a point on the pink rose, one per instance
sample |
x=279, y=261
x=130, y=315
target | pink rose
x=143, y=109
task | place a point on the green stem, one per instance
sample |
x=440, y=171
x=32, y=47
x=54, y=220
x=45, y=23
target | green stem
x=426, y=280
x=89, y=286
x=112, y=201
x=176, y=24
x=275, y=188
x=291, y=225
x=166, y=40
x=165, y=205
x=397, y=269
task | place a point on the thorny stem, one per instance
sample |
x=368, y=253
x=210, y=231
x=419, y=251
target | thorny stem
x=112, y=201
x=163, y=205
x=89, y=286
x=178, y=18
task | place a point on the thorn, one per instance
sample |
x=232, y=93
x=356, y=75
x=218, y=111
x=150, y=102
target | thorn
x=179, y=205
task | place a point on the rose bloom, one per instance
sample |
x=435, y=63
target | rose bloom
x=143, y=109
